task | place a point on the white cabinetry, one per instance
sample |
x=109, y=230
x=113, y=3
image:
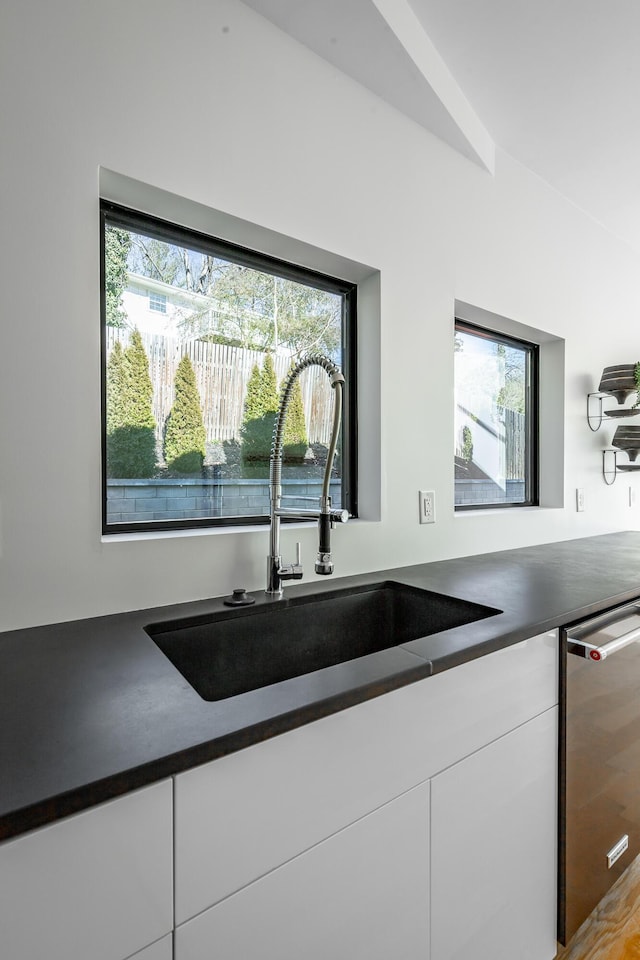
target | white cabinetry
x=97, y=885
x=363, y=894
x=264, y=835
x=161, y=950
x=241, y=816
x=493, y=860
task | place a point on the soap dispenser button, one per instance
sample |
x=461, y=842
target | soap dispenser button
x=239, y=598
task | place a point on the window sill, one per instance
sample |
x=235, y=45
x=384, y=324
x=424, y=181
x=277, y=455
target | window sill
x=499, y=511
x=185, y=532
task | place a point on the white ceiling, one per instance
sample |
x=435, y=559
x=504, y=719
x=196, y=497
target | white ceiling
x=554, y=83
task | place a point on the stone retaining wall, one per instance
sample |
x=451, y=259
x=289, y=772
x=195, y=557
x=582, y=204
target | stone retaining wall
x=483, y=492
x=131, y=501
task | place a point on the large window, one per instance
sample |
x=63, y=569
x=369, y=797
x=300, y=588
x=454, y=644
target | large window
x=198, y=336
x=495, y=419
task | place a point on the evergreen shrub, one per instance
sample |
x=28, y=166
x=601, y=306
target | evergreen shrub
x=184, y=434
x=259, y=416
x=295, y=440
x=467, y=444
x=131, y=443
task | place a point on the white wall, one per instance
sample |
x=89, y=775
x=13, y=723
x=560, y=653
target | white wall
x=272, y=134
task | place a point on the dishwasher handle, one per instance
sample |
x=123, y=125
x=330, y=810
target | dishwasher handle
x=596, y=653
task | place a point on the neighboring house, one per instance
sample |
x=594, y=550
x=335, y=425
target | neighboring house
x=156, y=307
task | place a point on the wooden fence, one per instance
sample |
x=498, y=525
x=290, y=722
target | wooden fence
x=222, y=374
x=510, y=432
x=515, y=446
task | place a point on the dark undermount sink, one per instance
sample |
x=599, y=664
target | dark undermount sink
x=244, y=649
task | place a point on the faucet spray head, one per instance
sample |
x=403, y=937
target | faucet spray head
x=324, y=563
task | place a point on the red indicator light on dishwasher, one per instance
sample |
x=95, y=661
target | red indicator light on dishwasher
x=595, y=655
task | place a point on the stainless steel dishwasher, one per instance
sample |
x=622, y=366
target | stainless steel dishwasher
x=599, y=779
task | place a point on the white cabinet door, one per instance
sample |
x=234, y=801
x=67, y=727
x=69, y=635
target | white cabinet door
x=161, y=950
x=96, y=886
x=363, y=894
x=493, y=844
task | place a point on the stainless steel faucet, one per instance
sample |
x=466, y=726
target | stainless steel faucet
x=276, y=570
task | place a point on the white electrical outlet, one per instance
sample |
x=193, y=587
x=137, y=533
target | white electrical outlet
x=579, y=499
x=427, y=506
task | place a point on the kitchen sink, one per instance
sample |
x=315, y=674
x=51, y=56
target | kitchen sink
x=236, y=651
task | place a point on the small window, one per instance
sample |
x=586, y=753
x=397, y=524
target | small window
x=158, y=302
x=190, y=390
x=495, y=419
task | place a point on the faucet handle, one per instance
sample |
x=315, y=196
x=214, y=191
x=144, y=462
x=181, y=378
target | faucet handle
x=296, y=568
x=292, y=571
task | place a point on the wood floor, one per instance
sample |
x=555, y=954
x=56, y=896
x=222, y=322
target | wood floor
x=612, y=932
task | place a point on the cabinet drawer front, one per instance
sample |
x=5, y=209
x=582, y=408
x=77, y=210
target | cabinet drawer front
x=362, y=894
x=247, y=813
x=97, y=885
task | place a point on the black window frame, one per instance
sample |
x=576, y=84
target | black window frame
x=127, y=218
x=532, y=435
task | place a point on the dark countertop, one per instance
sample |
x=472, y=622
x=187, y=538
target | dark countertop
x=91, y=709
